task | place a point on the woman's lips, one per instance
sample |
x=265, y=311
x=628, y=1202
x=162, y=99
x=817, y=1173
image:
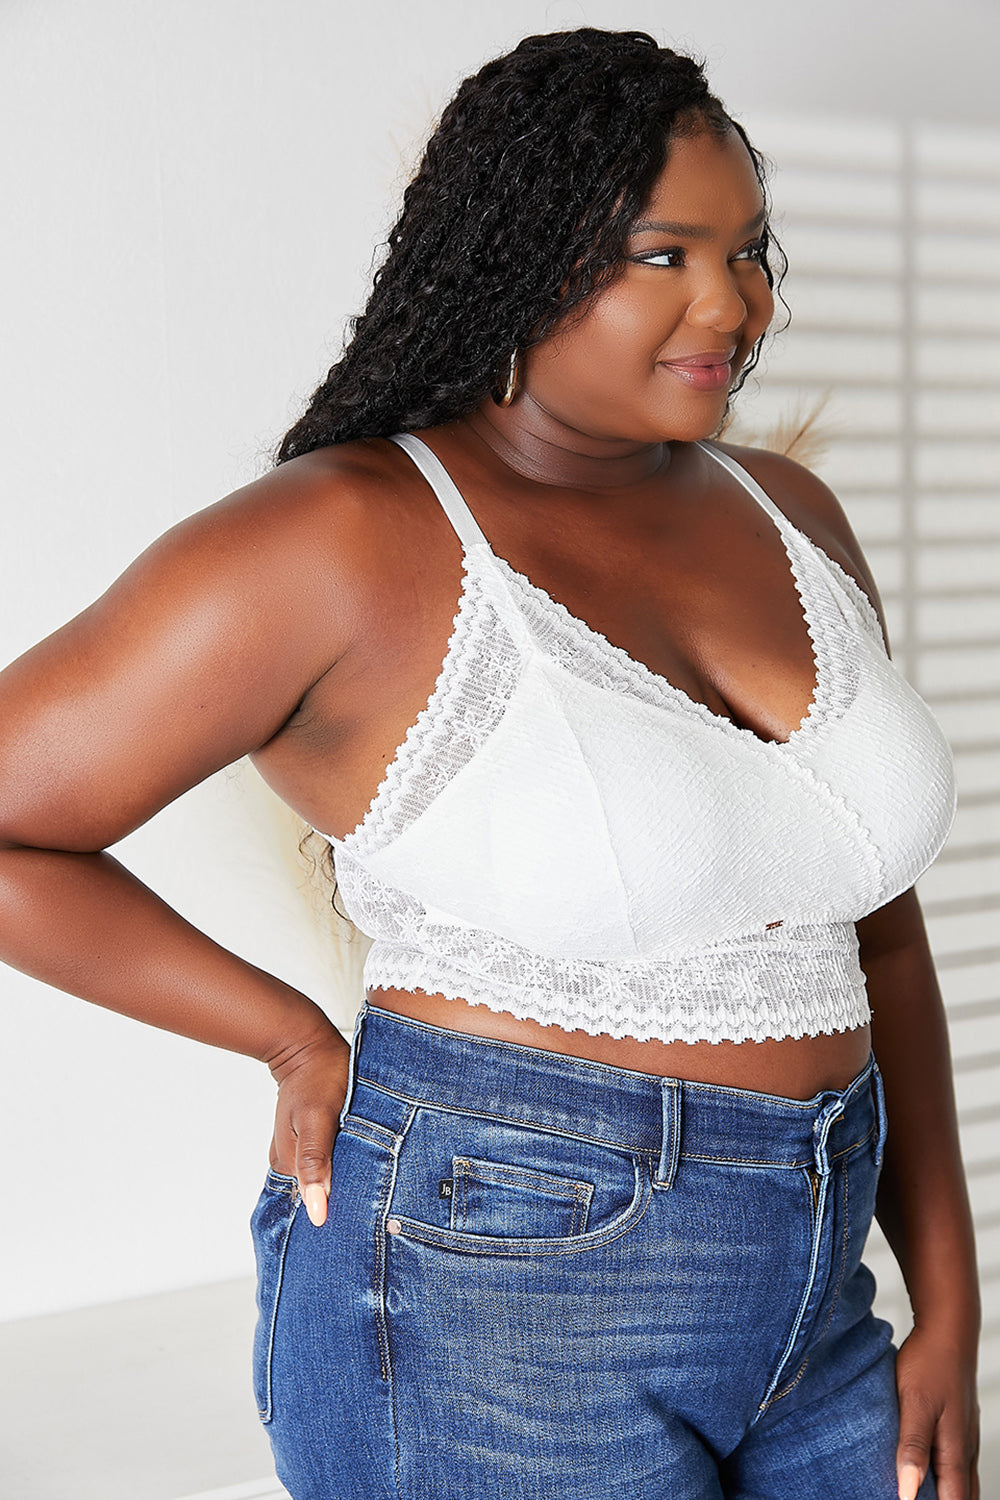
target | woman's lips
x=700, y=374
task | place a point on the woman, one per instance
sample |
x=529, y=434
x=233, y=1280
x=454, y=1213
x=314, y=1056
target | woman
x=610, y=1130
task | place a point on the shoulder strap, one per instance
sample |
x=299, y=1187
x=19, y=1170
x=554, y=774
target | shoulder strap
x=444, y=487
x=748, y=482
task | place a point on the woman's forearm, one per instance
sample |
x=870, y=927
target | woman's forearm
x=923, y=1206
x=84, y=923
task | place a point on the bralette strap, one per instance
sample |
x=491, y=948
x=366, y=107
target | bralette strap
x=444, y=487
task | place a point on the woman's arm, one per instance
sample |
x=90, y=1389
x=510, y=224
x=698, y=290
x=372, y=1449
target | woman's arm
x=84, y=923
x=923, y=1205
x=196, y=656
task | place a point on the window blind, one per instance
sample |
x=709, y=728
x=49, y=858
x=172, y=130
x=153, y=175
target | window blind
x=893, y=234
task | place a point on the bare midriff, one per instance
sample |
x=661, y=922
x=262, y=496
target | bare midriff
x=794, y=1067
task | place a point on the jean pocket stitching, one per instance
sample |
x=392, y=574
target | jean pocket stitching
x=268, y=1313
x=474, y=1244
x=368, y=1130
x=549, y=1184
x=281, y=1182
x=466, y=1169
x=855, y=1145
x=581, y=1211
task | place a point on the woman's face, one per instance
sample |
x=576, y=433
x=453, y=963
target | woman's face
x=653, y=356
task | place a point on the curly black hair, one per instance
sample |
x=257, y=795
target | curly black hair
x=520, y=210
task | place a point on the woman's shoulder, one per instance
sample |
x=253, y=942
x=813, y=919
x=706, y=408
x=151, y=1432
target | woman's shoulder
x=340, y=517
x=201, y=651
x=798, y=492
x=811, y=506
x=337, y=490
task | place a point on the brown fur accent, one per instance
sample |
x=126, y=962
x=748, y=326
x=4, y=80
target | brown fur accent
x=797, y=434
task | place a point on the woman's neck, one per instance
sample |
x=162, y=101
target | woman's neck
x=533, y=443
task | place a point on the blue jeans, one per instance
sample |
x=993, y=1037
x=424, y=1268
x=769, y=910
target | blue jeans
x=542, y=1277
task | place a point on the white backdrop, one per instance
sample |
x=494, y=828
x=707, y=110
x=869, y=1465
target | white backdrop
x=192, y=191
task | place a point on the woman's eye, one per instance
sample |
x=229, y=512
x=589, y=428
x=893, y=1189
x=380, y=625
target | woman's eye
x=675, y=255
x=756, y=251
x=672, y=257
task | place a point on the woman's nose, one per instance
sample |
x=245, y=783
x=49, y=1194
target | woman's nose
x=718, y=305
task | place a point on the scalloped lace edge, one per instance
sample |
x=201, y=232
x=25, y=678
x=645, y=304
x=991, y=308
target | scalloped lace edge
x=842, y=1010
x=826, y=629
x=365, y=835
x=869, y=615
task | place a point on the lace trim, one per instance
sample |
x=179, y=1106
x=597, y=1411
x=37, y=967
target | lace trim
x=587, y=653
x=869, y=615
x=476, y=681
x=743, y=993
x=796, y=981
x=482, y=663
x=831, y=635
x=803, y=982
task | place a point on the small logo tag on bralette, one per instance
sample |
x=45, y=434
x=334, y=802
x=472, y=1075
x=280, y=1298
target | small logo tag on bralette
x=446, y=1187
x=768, y=925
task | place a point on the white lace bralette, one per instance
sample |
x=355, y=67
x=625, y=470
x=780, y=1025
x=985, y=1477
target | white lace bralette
x=565, y=836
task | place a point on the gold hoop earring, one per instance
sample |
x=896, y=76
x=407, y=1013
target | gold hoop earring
x=510, y=388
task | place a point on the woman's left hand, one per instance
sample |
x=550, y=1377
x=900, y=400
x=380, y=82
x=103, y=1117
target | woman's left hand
x=938, y=1416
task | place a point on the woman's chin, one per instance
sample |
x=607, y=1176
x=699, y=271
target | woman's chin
x=694, y=429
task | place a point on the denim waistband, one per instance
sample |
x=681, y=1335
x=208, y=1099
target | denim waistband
x=669, y=1118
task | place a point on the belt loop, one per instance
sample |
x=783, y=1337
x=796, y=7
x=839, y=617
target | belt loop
x=352, y=1060
x=821, y=1130
x=670, y=1136
x=880, y=1111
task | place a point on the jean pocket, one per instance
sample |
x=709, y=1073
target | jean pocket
x=498, y=1198
x=491, y=1186
x=270, y=1227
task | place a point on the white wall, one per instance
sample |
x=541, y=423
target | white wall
x=192, y=193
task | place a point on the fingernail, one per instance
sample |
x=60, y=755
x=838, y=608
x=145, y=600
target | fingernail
x=315, y=1202
x=909, y=1482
